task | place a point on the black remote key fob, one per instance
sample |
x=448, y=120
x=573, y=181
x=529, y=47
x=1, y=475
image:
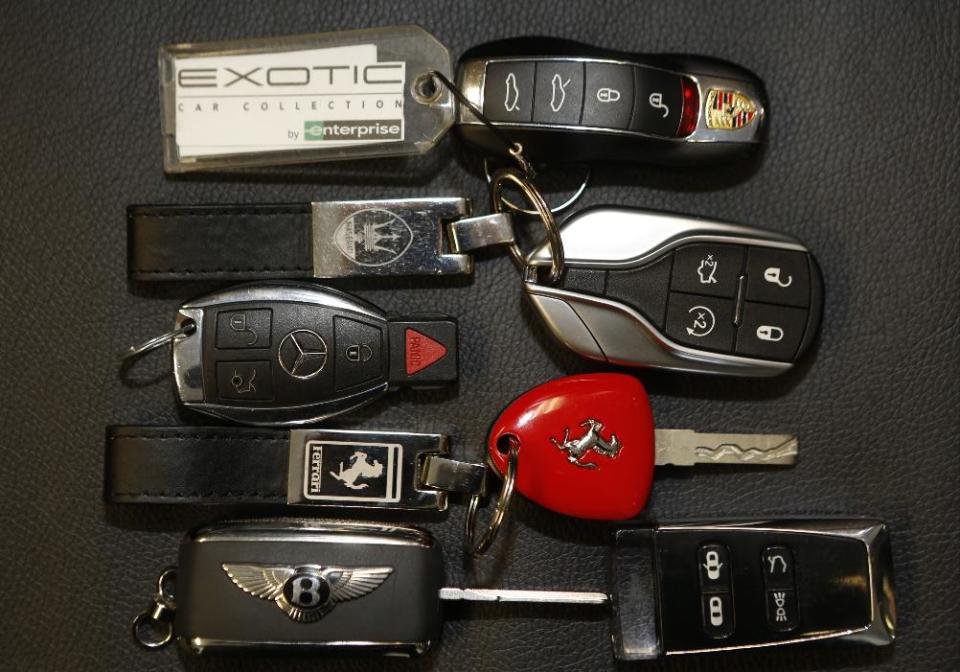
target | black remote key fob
x=569, y=102
x=289, y=353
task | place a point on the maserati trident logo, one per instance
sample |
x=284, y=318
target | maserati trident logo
x=302, y=353
x=306, y=593
x=578, y=449
x=373, y=237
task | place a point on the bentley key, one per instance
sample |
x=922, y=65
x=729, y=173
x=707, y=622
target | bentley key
x=312, y=586
x=315, y=586
x=565, y=101
x=585, y=446
x=654, y=289
x=294, y=353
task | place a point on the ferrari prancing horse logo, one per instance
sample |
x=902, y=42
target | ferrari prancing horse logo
x=592, y=440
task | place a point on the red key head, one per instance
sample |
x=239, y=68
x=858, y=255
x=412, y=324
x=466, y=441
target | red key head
x=586, y=445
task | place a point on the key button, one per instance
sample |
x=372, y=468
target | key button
x=559, y=92
x=782, y=610
x=360, y=356
x=777, y=567
x=717, y=615
x=244, y=328
x=700, y=321
x=778, y=276
x=245, y=381
x=659, y=102
x=508, y=91
x=770, y=332
x=608, y=95
x=714, y=566
x=707, y=269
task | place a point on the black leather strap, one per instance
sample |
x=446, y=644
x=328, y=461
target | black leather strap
x=219, y=242
x=302, y=467
x=208, y=465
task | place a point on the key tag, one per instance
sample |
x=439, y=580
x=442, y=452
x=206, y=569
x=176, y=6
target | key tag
x=581, y=446
x=327, y=96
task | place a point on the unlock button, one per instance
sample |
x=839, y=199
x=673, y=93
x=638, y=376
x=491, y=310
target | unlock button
x=778, y=276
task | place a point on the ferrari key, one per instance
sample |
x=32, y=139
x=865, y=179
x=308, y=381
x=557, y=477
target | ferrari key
x=290, y=353
x=565, y=101
x=315, y=586
x=585, y=446
x=656, y=289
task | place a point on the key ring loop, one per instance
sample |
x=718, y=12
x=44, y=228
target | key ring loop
x=185, y=329
x=499, y=180
x=534, y=213
x=153, y=629
x=471, y=544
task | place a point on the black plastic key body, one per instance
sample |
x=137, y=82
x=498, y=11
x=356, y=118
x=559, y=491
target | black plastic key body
x=568, y=102
x=695, y=588
x=290, y=353
x=309, y=586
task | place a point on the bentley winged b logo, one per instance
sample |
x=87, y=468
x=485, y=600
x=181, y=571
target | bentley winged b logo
x=577, y=449
x=306, y=593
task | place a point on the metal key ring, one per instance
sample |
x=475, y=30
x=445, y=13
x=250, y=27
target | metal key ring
x=159, y=618
x=185, y=329
x=470, y=543
x=533, y=213
x=500, y=178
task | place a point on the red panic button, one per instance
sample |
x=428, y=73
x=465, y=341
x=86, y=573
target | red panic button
x=421, y=351
x=586, y=445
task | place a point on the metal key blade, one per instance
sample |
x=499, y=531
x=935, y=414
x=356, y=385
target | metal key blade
x=685, y=447
x=530, y=596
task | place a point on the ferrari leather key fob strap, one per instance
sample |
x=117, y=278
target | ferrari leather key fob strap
x=308, y=467
x=331, y=239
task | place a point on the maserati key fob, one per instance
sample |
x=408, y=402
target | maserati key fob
x=655, y=289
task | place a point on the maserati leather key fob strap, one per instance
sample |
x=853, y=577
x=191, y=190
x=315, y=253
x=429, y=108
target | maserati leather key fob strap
x=332, y=239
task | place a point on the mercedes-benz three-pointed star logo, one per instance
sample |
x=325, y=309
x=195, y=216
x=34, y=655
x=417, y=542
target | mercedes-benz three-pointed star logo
x=302, y=353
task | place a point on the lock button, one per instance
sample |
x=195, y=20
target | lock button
x=771, y=332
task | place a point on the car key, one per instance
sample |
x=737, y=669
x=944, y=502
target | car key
x=309, y=585
x=656, y=289
x=566, y=101
x=288, y=353
x=585, y=446
x=703, y=587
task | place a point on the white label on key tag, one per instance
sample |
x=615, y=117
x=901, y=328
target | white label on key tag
x=341, y=95
x=262, y=102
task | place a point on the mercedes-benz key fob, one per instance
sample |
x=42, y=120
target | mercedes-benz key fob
x=568, y=102
x=655, y=289
x=289, y=353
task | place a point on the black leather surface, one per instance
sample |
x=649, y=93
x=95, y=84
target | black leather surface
x=219, y=242
x=861, y=163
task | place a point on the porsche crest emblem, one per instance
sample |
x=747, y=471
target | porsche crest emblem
x=729, y=110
